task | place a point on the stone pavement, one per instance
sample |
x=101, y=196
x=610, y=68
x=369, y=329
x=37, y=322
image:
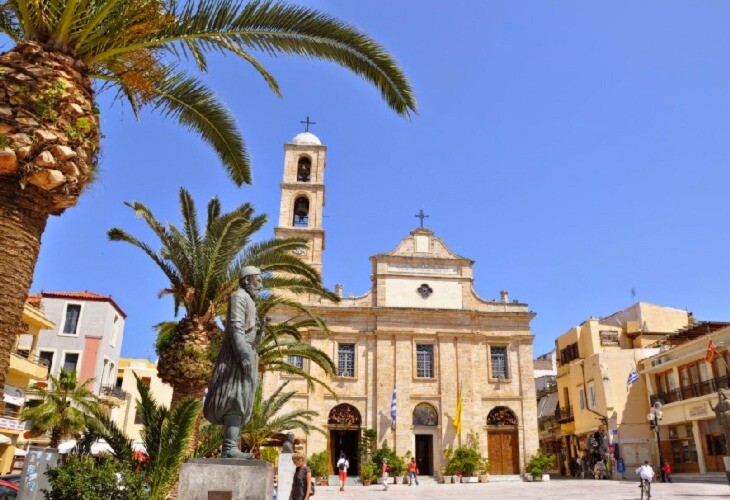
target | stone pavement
x=552, y=490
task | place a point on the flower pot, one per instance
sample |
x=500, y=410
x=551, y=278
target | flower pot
x=404, y=480
x=469, y=479
x=447, y=479
x=484, y=478
x=366, y=482
x=528, y=477
x=456, y=479
x=323, y=481
x=546, y=477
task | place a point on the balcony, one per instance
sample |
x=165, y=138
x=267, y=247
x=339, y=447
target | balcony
x=112, y=395
x=9, y=421
x=564, y=414
x=691, y=391
x=28, y=365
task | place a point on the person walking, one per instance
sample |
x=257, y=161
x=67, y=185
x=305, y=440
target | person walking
x=301, y=486
x=667, y=471
x=412, y=472
x=385, y=475
x=342, y=465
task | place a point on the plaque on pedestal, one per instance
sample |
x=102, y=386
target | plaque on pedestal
x=229, y=478
x=286, y=476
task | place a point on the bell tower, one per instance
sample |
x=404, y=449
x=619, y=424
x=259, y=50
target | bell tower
x=302, y=194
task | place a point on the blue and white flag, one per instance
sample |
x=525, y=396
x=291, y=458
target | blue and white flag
x=633, y=377
x=392, y=410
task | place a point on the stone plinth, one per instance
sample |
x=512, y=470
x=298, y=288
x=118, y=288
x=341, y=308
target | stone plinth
x=286, y=476
x=233, y=479
x=726, y=460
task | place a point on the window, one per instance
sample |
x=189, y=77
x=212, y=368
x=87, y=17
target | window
x=115, y=331
x=73, y=311
x=424, y=361
x=591, y=395
x=46, y=358
x=70, y=361
x=582, y=395
x=138, y=416
x=499, y=362
x=346, y=360
x=297, y=361
x=568, y=354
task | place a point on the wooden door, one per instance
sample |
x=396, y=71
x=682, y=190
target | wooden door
x=503, y=452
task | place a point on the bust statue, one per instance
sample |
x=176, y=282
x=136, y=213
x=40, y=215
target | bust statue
x=235, y=375
x=722, y=412
x=288, y=446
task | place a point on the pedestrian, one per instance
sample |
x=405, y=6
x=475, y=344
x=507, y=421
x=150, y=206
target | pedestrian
x=342, y=466
x=573, y=466
x=412, y=471
x=301, y=486
x=385, y=475
x=645, y=473
x=667, y=471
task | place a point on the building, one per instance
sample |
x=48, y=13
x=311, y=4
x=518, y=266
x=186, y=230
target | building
x=684, y=383
x=87, y=338
x=546, y=387
x=600, y=415
x=25, y=367
x=127, y=417
x=421, y=331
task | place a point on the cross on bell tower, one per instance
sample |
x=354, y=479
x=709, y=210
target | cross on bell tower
x=307, y=123
x=421, y=215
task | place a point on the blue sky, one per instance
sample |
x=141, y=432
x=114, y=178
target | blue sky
x=573, y=149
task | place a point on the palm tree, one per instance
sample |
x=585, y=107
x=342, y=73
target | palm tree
x=49, y=119
x=203, y=268
x=63, y=409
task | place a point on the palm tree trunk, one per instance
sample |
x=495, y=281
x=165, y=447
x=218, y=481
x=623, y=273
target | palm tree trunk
x=23, y=216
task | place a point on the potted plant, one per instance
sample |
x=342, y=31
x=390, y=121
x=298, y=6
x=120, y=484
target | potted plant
x=467, y=460
x=447, y=471
x=319, y=463
x=538, y=464
x=368, y=473
x=406, y=460
x=484, y=476
x=395, y=463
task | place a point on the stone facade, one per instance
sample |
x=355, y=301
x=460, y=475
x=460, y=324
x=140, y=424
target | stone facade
x=420, y=329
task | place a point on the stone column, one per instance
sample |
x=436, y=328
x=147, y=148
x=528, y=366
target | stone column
x=698, y=445
x=286, y=476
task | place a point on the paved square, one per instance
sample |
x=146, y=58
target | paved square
x=553, y=490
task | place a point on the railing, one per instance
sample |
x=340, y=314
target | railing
x=546, y=422
x=112, y=391
x=691, y=391
x=8, y=413
x=564, y=414
x=21, y=353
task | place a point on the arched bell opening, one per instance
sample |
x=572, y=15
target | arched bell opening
x=301, y=212
x=304, y=169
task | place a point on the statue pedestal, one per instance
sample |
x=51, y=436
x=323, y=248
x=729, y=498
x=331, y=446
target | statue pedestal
x=286, y=476
x=727, y=467
x=226, y=479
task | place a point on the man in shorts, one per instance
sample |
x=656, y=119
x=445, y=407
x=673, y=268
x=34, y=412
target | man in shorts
x=342, y=466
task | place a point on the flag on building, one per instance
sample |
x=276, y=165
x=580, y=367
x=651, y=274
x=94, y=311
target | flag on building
x=633, y=377
x=457, y=416
x=392, y=410
x=712, y=354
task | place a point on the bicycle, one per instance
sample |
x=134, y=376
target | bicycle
x=645, y=489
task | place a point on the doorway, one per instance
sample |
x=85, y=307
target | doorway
x=424, y=454
x=346, y=441
x=503, y=456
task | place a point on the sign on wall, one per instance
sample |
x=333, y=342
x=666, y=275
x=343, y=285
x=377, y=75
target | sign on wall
x=608, y=337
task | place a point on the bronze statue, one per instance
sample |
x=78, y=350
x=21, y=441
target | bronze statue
x=288, y=446
x=231, y=390
x=722, y=411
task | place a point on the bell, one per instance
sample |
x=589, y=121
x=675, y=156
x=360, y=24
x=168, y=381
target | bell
x=301, y=208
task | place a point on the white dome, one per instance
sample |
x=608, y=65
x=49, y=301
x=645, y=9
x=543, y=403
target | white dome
x=306, y=139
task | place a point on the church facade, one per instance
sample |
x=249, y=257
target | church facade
x=406, y=348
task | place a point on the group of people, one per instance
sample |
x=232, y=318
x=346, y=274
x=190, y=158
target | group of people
x=587, y=465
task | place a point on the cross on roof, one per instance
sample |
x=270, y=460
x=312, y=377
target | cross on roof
x=421, y=215
x=307, y=123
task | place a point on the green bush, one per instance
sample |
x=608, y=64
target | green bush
x=369, y=471
x=540, y=463
x=84, y=478
x=396, y=464
x=466, y=459
x=270, y=454
x=319, y=463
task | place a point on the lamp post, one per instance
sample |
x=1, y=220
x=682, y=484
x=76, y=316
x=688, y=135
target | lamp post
x=655, y=416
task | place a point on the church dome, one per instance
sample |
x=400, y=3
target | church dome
x=306, y=139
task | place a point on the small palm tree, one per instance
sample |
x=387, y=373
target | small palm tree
x=63, y=409
x=203, y=265
x=67, y=51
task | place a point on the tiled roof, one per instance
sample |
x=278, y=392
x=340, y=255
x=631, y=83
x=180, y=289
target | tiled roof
x=85, y=295
x=34, y=299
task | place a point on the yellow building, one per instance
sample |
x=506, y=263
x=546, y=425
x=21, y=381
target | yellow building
x=681, y=380
x=25, y=368
x=599, y=414
x=126, y=416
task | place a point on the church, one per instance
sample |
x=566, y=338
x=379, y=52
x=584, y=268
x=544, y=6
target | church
x=405, y=349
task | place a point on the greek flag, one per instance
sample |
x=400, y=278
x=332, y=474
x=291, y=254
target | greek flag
x=633, y=377
x=392, y=410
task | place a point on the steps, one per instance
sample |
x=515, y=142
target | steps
x=506, y=478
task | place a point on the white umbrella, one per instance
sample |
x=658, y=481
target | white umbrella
x=100, y=447
x=138, y=445
x=66, y=446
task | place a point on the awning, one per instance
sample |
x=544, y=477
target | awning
x=66, y=446
x=14, y=395
x=101, y=447
x=5, y=439
x=138, y=445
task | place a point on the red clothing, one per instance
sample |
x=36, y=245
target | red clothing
x=412, y=466
x=667, y=469
x=385, y=468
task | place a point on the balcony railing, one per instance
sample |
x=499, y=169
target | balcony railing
x=564, y=414
x=692, y=391
x=112, y=391
x=22, y=353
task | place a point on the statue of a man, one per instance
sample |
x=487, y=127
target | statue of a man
x=231, y=390
x=288, y=446
x=722, y=411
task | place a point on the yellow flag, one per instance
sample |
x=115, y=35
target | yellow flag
x=457, y=417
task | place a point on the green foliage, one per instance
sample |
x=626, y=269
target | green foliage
x=270, y=454
x=466, y=459
x=84, y=478
x=368, y=444
x=319, y=463
x=369, y=471
x=540, y=463
x=395, y=463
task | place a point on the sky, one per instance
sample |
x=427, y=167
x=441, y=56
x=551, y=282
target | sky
x=575, y=150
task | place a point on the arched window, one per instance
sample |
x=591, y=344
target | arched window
x=301, y=212
x=304, y=169
x=344, y=414
x=425, y=414
x=501, y=415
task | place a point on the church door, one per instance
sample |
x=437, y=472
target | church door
x=503, y=454
x=345, y=441
x=424, y=454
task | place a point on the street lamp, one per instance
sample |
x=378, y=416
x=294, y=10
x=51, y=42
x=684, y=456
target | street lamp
x=655, y=416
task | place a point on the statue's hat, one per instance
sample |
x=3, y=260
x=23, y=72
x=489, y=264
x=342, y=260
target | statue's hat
x=250, y=271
